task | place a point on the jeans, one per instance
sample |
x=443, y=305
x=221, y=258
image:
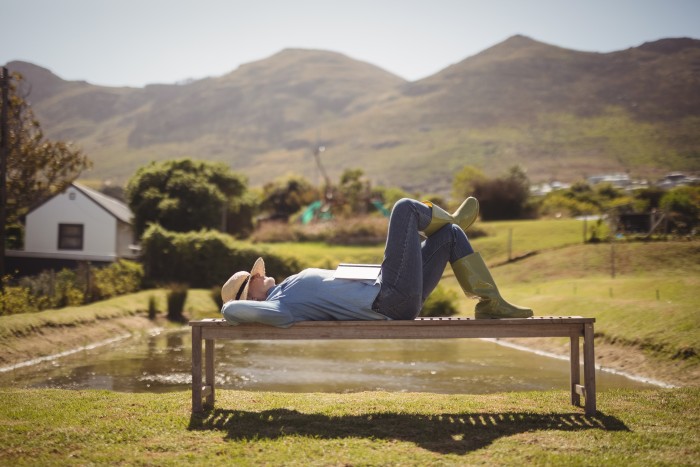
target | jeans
x=412, y=268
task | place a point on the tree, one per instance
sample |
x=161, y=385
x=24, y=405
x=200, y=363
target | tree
x=354, y=191
x=184, y=195
x=504, y=198
x=464, y=182
x=37, y=168
x=287, y=195
x=683, y=207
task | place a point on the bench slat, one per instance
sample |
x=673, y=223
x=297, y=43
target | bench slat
x=386, y=332
x=214, y=322
x=416, y=329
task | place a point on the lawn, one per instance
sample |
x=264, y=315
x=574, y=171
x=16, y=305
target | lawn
x=516, y=237
x=63, y=427
x=642, y=295
x=199, y=303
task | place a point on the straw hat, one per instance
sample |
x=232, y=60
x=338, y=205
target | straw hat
x=236, y=287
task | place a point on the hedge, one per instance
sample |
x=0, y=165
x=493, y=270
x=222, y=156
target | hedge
x=204, y=259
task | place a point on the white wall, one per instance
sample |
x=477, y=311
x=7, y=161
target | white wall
x=71, y=207
x=125, y=239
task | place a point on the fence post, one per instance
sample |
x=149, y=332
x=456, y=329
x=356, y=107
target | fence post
x=510, y=244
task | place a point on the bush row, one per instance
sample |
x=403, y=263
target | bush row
x=67, y=287
x=203, y=259
x=360, y=230
x=365, y=230
x=442, y=302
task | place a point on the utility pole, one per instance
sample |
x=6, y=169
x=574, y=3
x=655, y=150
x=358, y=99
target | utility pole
x=4, y=154
x=510, y=244
x=612, y=257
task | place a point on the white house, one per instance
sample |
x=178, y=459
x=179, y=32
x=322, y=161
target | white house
x=79, y=224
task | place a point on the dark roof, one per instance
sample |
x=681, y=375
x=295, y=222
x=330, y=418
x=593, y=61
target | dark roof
x=115, y=207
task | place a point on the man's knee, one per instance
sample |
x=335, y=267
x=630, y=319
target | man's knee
x=405, y=205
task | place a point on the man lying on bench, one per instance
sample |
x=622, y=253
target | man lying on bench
x=410, y=271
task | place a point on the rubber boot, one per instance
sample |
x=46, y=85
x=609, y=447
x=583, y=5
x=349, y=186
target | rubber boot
x=474, y=277
x=464, y=216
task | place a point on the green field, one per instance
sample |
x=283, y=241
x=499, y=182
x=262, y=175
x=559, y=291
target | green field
x=62, y=427
x=518, y=237
x=651, y=306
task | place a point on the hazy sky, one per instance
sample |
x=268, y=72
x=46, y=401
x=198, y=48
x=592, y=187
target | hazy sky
x=139, y=42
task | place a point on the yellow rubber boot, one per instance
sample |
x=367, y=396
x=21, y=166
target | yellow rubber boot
x=474, y=277
x=464, y=216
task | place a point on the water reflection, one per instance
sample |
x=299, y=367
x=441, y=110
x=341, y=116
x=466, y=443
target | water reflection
x=161, y=362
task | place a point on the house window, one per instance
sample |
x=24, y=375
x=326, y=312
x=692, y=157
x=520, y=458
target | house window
x=70, y=236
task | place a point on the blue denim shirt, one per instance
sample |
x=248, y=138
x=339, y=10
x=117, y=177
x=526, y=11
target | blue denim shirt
x=311, y=295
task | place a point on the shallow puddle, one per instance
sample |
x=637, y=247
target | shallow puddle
x=162, y=362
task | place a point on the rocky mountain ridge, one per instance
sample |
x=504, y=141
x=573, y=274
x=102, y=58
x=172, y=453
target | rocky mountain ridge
x=559, y=113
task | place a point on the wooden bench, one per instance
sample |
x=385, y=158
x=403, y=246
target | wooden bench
x=574, y=327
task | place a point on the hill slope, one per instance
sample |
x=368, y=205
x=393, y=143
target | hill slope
x=559, y=113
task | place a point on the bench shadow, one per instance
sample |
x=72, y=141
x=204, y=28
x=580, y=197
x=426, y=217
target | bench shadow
x=448, y=433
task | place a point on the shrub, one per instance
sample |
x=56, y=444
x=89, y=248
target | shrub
x=68, y=292
x=152, y=307
x=276, y=232
x=205, y=258
x=119, y=278
x=16, y=300
x=67, y=287
x=505, y=197
x=442, y=302
x=557, y=204
x=683, y=206
x=216, y=296
x=359, y=230
x=366, y=230
x=50, y=289
x=177, y=295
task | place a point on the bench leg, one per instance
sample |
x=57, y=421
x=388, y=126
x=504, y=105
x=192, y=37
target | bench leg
x=589, y=369
x=575, y=369
x=209, y=371
x=196, y=369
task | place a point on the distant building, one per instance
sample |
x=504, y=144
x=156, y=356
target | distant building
x=542, y=189
x=74, y=226
x=675, y=179
x=617, y=180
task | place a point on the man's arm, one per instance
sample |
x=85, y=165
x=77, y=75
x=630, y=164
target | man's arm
x=249, y=311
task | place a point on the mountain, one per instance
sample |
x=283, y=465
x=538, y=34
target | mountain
x=559, y=113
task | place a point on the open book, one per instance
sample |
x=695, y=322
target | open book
x=357, y=271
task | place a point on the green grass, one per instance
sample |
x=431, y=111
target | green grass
x=652, y=302
x=198, y=304
x=656, y=427
x=321, y=255
x=527, y=236
x=626, y=310
x=63, y=427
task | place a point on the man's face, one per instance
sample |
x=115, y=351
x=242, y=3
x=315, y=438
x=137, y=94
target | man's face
x=258, y=287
